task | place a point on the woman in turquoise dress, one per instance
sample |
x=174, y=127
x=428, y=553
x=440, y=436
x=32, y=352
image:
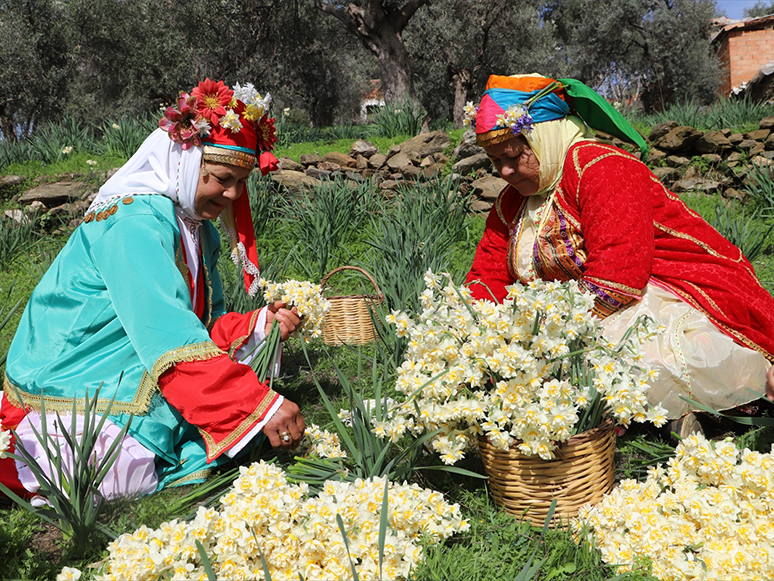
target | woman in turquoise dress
x=134, y=305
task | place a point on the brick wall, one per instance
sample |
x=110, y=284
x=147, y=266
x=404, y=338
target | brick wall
x=744, y=53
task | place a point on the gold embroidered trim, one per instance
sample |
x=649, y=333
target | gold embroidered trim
x=228, y=156
x=738, y=336
x=238, y=342
x=600, y=158
x=213, y=449
x=499, y=207
x=576, y=155
x=615, y=286
x=145, y=391
x=182, y=266
x=709, y=300
x=203, y=474
x=138, y=406
x=707, y=248
x=565, y=214
x=193, y=352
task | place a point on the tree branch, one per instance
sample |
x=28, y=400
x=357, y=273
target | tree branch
x=401, y=16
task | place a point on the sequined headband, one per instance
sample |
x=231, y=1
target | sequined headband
x=228, y=156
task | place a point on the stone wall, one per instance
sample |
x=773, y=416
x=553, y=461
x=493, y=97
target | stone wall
x=684, y=158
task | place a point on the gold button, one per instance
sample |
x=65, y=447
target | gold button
x=89, y=217
x=99, y=217
x=113, y=209
x=128, y=200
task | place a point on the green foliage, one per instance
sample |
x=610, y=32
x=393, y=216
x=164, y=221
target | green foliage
x=16, y=238
x=414, y=236
x=20, y=559
x=123, y=137
x=322, y=220
x=658, y=50
x=499, y=546
x=760, y=8
x=368, y=455
x=14, y=152
x=748, y=233
x=639, y=449
x=72, y=491
x=760, y=187
x=49, y=143
x=737, y=114
x=7, y=310
x=402, y=117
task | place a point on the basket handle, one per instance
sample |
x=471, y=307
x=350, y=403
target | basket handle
x=360, y=270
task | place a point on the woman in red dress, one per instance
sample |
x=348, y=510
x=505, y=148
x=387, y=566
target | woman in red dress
x=577, y=208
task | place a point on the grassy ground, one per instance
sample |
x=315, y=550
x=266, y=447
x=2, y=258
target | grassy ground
x=497, y=547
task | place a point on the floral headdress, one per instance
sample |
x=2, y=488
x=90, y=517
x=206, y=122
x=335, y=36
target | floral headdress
x=511, y=106
x=232, y=125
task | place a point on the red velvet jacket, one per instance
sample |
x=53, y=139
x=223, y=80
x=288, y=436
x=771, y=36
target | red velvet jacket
x=614, y=227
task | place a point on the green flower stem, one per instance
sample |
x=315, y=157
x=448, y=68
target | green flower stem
x=266, y=354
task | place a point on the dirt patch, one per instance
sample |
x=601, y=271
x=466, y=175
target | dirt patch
x=48, y=540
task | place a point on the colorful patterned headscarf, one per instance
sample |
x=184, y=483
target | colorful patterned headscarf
x=512, y=105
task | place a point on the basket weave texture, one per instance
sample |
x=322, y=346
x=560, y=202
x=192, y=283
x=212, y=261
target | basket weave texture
x=349, y=320
x=582, y=471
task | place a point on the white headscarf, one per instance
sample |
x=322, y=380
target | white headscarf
x=162, y=167
x=550, y=141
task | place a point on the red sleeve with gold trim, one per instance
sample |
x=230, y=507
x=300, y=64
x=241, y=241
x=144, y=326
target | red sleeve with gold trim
x=231, y=330
x=609, y=193
x=490, y=263
x=222, y=398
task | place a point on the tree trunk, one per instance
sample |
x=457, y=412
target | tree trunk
x=379, y=28
x=461, y=82
x=394, y=67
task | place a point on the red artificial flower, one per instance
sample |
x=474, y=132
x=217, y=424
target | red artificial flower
x=211, y=100
x=180, y=123
x=266, y=133
x=267, y=162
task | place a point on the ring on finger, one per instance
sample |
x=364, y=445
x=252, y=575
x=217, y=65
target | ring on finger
x=285, y=436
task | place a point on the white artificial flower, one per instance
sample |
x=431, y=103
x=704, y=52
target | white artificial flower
x=245, y=94
x=231, y=121
x=202, y=126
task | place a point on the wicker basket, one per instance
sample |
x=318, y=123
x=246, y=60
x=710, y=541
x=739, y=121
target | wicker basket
x=582, y=471
x=349, y=320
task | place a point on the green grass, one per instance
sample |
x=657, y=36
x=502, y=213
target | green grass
x=75, y=163
x=296, y=150
x=498, y=544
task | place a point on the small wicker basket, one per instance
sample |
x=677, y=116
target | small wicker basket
x=349, y=319
x=582, y=471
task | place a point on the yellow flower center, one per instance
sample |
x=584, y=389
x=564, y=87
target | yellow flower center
x=211, y=101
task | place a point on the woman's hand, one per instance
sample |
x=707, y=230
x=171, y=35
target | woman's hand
x=288, y=319
x=770, y=383
x=286, y=427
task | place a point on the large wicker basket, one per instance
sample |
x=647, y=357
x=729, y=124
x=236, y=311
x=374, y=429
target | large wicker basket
x=582, y=471
x=349, y=319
